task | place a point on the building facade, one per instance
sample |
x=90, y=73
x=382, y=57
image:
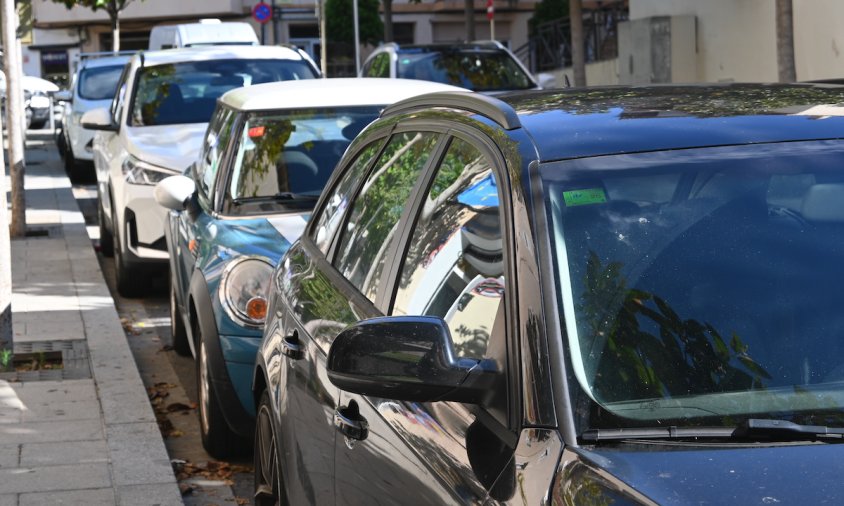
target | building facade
x=60, y=34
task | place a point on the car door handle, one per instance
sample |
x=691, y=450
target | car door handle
x=347, y=421
x=291, y=347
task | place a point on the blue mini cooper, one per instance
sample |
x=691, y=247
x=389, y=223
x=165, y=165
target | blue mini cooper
x=266, y=156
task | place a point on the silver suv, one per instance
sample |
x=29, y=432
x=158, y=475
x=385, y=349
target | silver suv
x=485, y=66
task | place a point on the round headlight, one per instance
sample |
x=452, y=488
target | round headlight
x=243, y=290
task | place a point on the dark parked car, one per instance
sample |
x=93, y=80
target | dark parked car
x=599, y=296
x=267, y=154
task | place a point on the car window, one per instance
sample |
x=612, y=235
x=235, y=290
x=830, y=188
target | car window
x=454, y=266
x=377, y=209
x=213, y=149
x=119, y=99
x=330, y=217
x=285, y=158
x=187, y=92
x=379, y=66
x=99, y=83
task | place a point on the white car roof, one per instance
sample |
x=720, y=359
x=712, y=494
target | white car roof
x=334, y=92
x=184, y=54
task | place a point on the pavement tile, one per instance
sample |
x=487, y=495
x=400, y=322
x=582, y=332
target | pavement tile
x=54, y=478
x=44, y=432
x=9, y=500
x=138, y=454
x=9, y=456
x=33, y=392
x=125, y=401
x=51, y=454
x=166, y=494
x=91, y=497
x=55, y=411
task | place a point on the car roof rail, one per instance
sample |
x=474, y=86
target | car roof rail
x=489, y=107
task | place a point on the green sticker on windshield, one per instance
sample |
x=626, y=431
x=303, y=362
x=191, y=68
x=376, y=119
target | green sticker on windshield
x=585, y=196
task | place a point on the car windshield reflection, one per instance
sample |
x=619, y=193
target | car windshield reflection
x=702, y=286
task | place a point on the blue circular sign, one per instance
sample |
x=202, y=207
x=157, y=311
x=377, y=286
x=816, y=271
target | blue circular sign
x=262, y=12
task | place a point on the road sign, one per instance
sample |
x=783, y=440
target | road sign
x=490, y=10
x=262, y=12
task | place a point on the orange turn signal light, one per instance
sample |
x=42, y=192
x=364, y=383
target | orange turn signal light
x=256, y=308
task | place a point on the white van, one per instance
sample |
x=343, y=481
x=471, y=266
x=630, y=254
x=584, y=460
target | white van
x=208, y=32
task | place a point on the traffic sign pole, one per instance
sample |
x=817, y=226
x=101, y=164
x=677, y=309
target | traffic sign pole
x=490, y=15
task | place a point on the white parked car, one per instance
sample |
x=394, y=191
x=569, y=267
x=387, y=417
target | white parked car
x=36, y=95
x=93, y=86
x=154, y=129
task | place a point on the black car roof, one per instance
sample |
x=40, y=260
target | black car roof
x=572, y=123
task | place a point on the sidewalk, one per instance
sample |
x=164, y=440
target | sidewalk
x=85, y=433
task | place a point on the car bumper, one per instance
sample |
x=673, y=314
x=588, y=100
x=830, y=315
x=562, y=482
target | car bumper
x=143, y=224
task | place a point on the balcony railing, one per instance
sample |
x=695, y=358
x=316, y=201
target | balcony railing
x=550, y=46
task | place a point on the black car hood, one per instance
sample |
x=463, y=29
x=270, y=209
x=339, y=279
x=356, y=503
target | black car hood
x=779, y=474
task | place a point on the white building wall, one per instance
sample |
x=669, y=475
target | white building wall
x=48, y=12
x=736, y=39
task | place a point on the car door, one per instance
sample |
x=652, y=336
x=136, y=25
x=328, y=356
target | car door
x=316, y=302
x=452, y=265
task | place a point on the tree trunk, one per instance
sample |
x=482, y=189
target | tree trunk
x=15, y=121
x=388, y=20
x=6, y=331
x=785, y=41
x=469, y=11
x=578, y=56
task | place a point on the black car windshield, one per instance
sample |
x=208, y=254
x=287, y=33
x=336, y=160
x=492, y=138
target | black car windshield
x=702, y=287
x=283, y=159
x=473, y=69
x=99, y=83
x=187, y=92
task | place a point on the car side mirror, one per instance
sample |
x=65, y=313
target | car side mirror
x=406, y=358
x=63, y=96
x=546, y=80
x=173, y=192
x=99, y=119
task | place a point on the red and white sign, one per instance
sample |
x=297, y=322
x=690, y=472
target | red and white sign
x=490, y=10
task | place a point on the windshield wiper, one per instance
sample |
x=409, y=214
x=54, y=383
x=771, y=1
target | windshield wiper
x=287, y=197
x=783, y=429
x=752, y=428
x=594, y=435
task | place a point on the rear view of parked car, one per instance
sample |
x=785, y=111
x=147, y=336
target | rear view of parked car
x=93, y=86
x=154, y=129
x=267, y=154
x=597, y=296
x=485, y=66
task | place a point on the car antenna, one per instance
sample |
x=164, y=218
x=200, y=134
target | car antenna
x=568, y=83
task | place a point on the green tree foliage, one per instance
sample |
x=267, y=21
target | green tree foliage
x=548, y=10
x=339, y=21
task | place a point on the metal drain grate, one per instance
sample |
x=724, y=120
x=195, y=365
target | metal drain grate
x=45, y=231
x=74, y=360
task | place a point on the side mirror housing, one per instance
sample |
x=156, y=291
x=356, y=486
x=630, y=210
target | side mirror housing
x=546, y=80
x=174, y=191
x=406, y=358
x=99, y=119
x=63, y=96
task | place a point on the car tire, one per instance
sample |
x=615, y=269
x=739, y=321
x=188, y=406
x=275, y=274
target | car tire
x=177, y=325
x=37, y=125
x=71, y=167
x=267, y=485
x=217, y=437
x=129, y=280
x=106, y=239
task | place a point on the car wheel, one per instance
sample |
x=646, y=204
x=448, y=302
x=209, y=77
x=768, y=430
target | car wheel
x=217, y=437
x=106, y=240
x=71, y=167
x=266, y=464
x=38, y=124
x=177, y=325
x=130, y=283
